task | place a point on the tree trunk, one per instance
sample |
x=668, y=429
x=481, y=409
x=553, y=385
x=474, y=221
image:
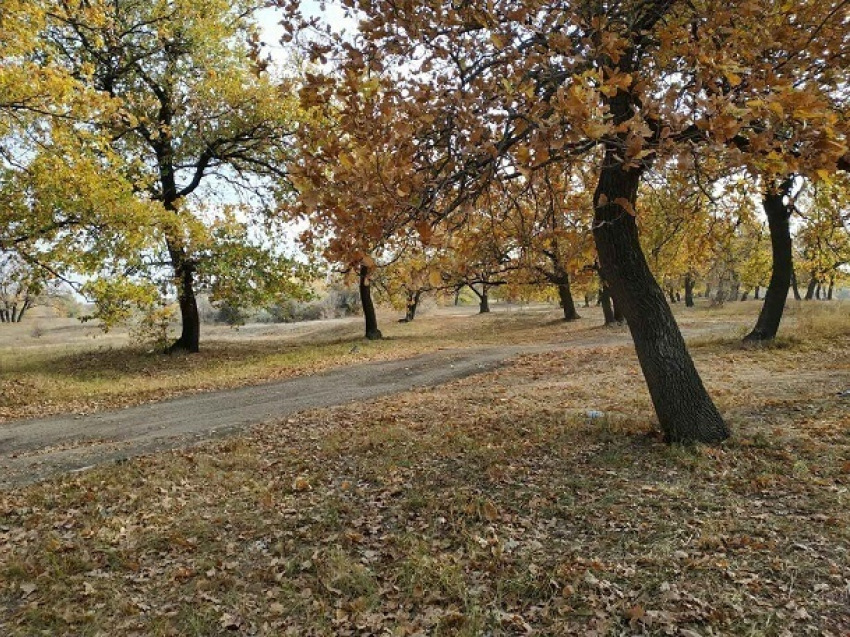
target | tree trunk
x=778, y=217
x=607, y=308
x=27, y=305
x=756, y=293
x=484, y=300
x=372, y=331
x=412, y=306
x=13, y=315
x=689, y=290
x=817, y=291
x=685, y=411
x=618, y=313
x=184, y=271
x=671, y=295
x=810, y=290
x=707, y=294
x=586, y=300
x=745, y=295
x=830, y=288
x=566, y=297
x=794, y=285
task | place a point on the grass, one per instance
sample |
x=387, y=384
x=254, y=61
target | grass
x=41, y=379
x=489, y=506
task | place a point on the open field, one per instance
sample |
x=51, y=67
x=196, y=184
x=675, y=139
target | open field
x=489, y=506
x=61, y=366
x=50, y=366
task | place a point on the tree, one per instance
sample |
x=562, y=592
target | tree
x=553, y=226
x=195, y=108
x=824, y=236
x=629, y=84
x=777, y=207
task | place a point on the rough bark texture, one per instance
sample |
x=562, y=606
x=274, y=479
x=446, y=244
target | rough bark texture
x=685, y=411
x=689, y=290
x=371, y=318
x=778, y=216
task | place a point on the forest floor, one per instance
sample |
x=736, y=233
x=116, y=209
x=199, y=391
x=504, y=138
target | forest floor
x=490, y=505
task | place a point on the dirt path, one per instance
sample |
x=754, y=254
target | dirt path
x=31, y=450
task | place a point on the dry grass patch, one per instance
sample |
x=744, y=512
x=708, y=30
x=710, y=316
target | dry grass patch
x=491, y=506
x=82, y=378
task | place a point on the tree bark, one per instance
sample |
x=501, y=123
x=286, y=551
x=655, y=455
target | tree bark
x=689, y=290
x=794, y=285
x=817, y=291
x=810, y=290
x=369, y=314
x=778, y=220
x=412, y=306
x=607, y=308
x=830, y=288
x=671, y=295
x=190, y=318
x=565, y=296
x=483, y=299
x=745, y=295
x=586, y=300
x=685, y=411
x=756, y=293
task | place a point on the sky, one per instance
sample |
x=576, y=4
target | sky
x=269, y=20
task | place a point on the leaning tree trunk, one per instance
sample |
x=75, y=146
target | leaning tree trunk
x=566, y=297
x=184, y=273
x=685, y=411
x=689, y=290
x=27, y=305
x=369, y=314
x=794, y=285
x=778, y=217
x=810, y=290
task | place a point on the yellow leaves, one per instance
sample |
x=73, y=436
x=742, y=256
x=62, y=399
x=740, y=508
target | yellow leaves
x=595, y=129
x=733, y=78
x=346, y=161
